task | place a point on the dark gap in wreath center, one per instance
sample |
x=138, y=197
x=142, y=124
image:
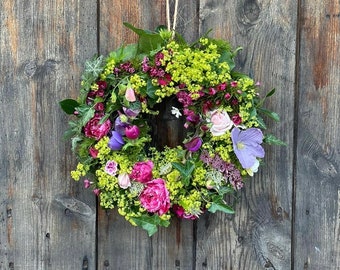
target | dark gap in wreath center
x=167, y=129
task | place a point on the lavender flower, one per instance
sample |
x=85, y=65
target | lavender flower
x=116, y=141
x=246, y=144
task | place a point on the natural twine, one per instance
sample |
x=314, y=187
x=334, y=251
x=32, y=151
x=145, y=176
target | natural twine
x=173, y=28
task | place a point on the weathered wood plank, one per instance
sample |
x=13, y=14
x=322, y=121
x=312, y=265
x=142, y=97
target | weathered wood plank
x=317, y=242
x=120, y=246
x=258, y=236
x=43, y=224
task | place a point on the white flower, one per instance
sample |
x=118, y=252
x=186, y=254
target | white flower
x=175, y=112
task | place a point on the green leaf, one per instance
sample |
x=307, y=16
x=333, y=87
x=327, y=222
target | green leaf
x=151, y=89
x=86, y=113
x=150, y=223
x=270, y=93
x=271, y=139
x=261, y=122
x=219, y=205
x=185, y=170
x=148, y=41
x=227, y=56
x=69, y=105
x=271, y=114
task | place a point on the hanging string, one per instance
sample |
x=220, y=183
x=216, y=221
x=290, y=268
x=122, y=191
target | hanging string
x=173, y=28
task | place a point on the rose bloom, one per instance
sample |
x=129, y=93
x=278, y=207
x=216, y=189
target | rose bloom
x=221, y=122
x=95, y=130
x=155, y=197
x=142, y=171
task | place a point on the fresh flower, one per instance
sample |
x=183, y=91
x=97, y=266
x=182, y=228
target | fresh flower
x=111, y=167
x=116, y=141
x=132, y=132
x=221, y=122
x=155, y=197
x=194, y=144
x=142, y=171
x=175, y=111
x=93, y=128
x=219, y=108
x=247, y=145
x=130, y=95
x=124, y=180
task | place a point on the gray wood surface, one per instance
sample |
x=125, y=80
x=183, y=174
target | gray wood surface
x=288, y=216
x=258, y=236
x=44, y=222
x=316, y=226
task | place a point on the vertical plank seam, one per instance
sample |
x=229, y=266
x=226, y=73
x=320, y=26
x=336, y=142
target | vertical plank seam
x=96, y=233
x=295, y=129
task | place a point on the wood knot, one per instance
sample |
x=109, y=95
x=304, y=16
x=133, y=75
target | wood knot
x=30, y=68
x=250, y=12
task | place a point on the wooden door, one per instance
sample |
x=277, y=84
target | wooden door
x=288, y=215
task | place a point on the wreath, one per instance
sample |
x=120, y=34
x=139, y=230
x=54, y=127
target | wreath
x=222, y=115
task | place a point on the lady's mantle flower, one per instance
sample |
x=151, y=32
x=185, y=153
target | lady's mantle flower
x=221, y=122
x=246, y=144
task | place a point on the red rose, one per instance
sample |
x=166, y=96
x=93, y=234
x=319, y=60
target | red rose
x=95, y=130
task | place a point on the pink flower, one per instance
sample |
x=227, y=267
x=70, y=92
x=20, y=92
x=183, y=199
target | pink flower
x=221, y=122
x=87, y=183
x=155, y=197
x=132, y=132
x=233, y=84
x=180, y=212
x=95, y=130
x=96, y=191
x=142, y=171
x=237, y=119
x=93, y=152
x=111, y=167
x=130, y=95
x=124, y=180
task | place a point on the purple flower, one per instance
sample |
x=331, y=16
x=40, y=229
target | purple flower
x=194, y=144
x=116, y=141
x=246, y=144
x=121, y=123
x=131, y=113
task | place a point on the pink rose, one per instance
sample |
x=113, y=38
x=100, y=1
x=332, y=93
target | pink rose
x=124, y=180
x=155, y=197
x=132, y=132
x=221, y=122
x=95, y=130
x=142, y=171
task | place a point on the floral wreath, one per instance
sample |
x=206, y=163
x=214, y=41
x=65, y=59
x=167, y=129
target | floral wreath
x=111, y=130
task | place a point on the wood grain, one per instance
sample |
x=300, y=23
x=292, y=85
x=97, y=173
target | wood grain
x=317, y=242
x=43, y=44
x=258, y=235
